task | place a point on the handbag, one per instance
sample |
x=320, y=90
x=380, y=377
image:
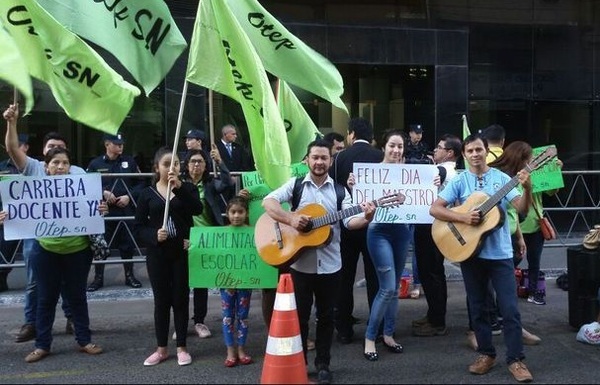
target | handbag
x=591, y=241
x=546, y=228
x=99, y=246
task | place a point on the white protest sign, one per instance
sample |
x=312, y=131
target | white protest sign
x=415, y=181
x=52, y=206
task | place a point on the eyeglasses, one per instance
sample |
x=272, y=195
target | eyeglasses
x=196, y=161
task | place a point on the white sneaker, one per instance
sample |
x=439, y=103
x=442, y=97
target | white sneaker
x=202, y=330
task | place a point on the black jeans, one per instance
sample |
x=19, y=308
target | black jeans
x=430, y=264
x=319, y=287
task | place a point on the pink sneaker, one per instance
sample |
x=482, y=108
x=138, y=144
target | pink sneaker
x=184, y=358
x=155, y=359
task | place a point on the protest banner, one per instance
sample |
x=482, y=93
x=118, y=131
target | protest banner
x=547, y=177
x=414, y=181
x=52, y=206
x=226, y=257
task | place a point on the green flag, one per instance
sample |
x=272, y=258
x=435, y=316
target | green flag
x=286, y=56
x=300, y=128
x=142, y=35
x=465, y=128
x=222, y=59
x=83, y=84
x=13, y=68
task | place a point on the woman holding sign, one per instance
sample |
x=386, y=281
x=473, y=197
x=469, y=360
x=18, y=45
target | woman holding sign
x=209, y=192
x=167, y=259
x=388, y=246
x=57, y=262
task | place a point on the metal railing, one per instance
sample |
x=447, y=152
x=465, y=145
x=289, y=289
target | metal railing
x=573, y=210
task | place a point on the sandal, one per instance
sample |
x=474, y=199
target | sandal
x=230, y=362
x=36, y=355
x=246, y=360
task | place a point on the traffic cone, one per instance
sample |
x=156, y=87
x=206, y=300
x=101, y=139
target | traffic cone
x=284, y=359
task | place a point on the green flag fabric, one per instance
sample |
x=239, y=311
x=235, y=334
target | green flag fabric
x=465, y=127
x=13, y=68
x=142, y=35
x=300, y=128
x=286, y=56
x=83, y=84
x=222, y=59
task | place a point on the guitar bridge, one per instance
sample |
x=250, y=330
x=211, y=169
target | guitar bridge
x=456, y=234
x=278, y=235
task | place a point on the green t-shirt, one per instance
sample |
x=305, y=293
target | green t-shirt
x=65, y=245
x=531, y=224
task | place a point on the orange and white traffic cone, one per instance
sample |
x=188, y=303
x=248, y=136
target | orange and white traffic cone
x=284, y=358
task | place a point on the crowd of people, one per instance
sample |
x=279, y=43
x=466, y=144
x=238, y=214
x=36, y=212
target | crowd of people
x=184, y=187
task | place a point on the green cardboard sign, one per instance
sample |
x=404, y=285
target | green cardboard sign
x=258, y=189
x=225, y=257
x=547, y=177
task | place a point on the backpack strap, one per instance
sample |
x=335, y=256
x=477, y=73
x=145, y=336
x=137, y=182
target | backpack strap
x=297, y=193
x=340, y=192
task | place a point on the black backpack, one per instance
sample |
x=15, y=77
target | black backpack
x=340, y=192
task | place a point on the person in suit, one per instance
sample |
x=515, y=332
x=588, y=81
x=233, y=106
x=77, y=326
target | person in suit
x=235, y=156
x=353, y=242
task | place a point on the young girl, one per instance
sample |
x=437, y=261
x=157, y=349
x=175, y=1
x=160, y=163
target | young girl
x=167, y=259
x=235, y=303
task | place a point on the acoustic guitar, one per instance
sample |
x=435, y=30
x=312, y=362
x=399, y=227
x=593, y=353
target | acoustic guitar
x=459, y=241
x=280, y=245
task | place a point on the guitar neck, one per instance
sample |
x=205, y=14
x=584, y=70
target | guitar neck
x=330, y=218
x=498, y=195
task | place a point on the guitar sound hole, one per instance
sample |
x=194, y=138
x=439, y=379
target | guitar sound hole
x=308, y=227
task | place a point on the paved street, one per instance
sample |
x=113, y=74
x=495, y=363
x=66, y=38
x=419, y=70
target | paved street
x=122, y=324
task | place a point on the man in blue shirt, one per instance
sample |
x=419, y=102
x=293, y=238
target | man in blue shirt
x=493, y=262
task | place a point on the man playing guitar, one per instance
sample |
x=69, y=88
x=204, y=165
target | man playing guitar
x=493, y=260
x=316, y=270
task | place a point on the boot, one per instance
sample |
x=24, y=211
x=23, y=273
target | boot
x=98, y=281
x=130, y=279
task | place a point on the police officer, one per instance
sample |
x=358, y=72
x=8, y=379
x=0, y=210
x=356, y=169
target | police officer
x=119, y=193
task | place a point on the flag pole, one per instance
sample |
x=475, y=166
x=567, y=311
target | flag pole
x=176, y=140
x=211, y=127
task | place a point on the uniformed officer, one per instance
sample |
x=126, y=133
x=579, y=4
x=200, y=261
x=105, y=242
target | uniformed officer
x=120, y=194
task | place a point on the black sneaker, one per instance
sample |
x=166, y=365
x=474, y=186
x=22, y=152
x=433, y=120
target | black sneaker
x=324, y=375
x=133, y=282
x=496, y=329
x=538, y=298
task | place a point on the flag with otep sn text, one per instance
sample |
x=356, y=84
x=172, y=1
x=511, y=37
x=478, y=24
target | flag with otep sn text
x=222, y=59
x=82, y=83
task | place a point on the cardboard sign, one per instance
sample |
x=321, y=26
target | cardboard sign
x=51, y=206
x=547, y=177
x=258, y=189
x=225, y=257
x=415, y=181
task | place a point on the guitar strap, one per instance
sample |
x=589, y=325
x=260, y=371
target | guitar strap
x=340, y=192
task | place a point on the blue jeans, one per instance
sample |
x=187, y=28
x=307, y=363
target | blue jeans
x=55, y=273
x=30, y=309
x=477, y=273
x=388, y=246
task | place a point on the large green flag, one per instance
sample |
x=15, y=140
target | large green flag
x=83, y=84
x=286, y=56
x=222, y=59
x=13, y=68
x=300, y=128
x=142, y=35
